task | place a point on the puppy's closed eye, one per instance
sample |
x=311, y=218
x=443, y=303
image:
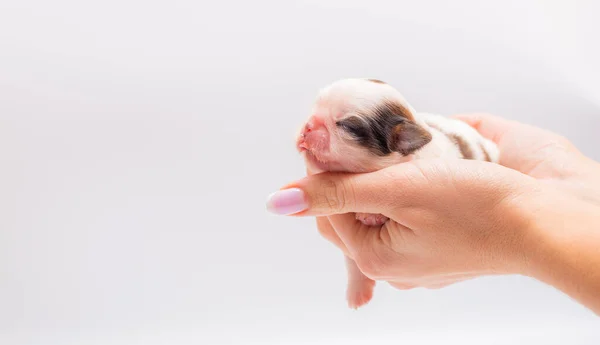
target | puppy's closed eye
x=354, y=126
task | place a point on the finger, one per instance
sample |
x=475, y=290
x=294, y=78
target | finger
x=367, y=245
x=449, y=281
x=402, y=286
x=436, y=286
x=336, y=193
x=438, y=281
x=351, y=232
x=519, y=143
x=490, y=126
x=444, y=284
x=325, y=228
x=431, y=284
x=327, y=231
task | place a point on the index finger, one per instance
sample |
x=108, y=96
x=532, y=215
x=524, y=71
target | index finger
x=490, y=126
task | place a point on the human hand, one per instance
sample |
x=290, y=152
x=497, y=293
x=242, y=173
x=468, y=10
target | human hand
x=433, y=238
x=453, y=220
x=539, y=153
x=533, y=151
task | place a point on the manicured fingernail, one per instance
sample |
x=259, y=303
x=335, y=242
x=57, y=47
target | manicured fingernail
x=287, y=201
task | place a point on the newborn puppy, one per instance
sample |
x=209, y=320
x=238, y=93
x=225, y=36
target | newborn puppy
x=363, y=125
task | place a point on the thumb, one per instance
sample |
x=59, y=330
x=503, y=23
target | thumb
x=337, y=193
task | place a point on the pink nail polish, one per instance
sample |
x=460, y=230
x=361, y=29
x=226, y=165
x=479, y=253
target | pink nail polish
x=287, y=201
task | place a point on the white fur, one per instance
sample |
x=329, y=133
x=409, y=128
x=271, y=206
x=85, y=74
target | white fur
x=355, y=96
x=360, y=94
x=438, y=147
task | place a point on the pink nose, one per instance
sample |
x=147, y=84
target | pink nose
x=315, y=136
x=313, y=123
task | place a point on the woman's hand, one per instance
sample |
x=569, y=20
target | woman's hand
x=450, y=220
x=539, y=153
x=537, y=215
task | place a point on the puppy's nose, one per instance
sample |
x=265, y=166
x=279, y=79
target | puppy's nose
x=314, y=123
x=315, y=135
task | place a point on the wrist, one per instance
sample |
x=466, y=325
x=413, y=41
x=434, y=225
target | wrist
x=562, y=247
x=521, y=240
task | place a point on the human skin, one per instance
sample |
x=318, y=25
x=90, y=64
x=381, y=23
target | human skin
x=536, y=213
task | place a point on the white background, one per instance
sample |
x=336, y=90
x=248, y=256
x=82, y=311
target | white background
x=139, y=140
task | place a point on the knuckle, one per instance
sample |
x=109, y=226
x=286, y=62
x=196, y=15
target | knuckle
x=555, y=145
x=412, y=177
x=373, y=266
x=331, y=198
x=335, y=195
x=327, y=232
x=323, y=231
x=369, y=267
x=564, y=143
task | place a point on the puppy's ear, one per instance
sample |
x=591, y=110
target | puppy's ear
x=408, y=137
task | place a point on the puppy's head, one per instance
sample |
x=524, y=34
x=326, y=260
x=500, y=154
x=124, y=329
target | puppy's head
x=359, y=125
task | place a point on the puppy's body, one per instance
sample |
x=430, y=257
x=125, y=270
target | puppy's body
x=364, y=125
x=453, y=138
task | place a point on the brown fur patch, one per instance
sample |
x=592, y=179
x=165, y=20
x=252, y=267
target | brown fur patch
x=397, y=108
x=486, y=154
x=376, y=81
x=463, y=146
x=376, y=129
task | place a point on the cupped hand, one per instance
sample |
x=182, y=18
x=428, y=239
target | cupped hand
x=452, y=219
x=537, y=213
x=449, y=220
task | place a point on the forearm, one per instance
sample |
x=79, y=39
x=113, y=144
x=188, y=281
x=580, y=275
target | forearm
x=567, y=253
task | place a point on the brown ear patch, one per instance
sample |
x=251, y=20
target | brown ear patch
x=377, y=81
x=375, y=129
x=384, y=128
x=408, y=137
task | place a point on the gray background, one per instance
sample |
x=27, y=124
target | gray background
x=139, y=140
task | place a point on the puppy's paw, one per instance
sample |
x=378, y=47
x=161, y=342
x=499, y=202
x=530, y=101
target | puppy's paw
x=359, y=292
x=372, y=219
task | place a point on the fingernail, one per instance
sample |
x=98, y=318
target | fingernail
x=287, y=201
